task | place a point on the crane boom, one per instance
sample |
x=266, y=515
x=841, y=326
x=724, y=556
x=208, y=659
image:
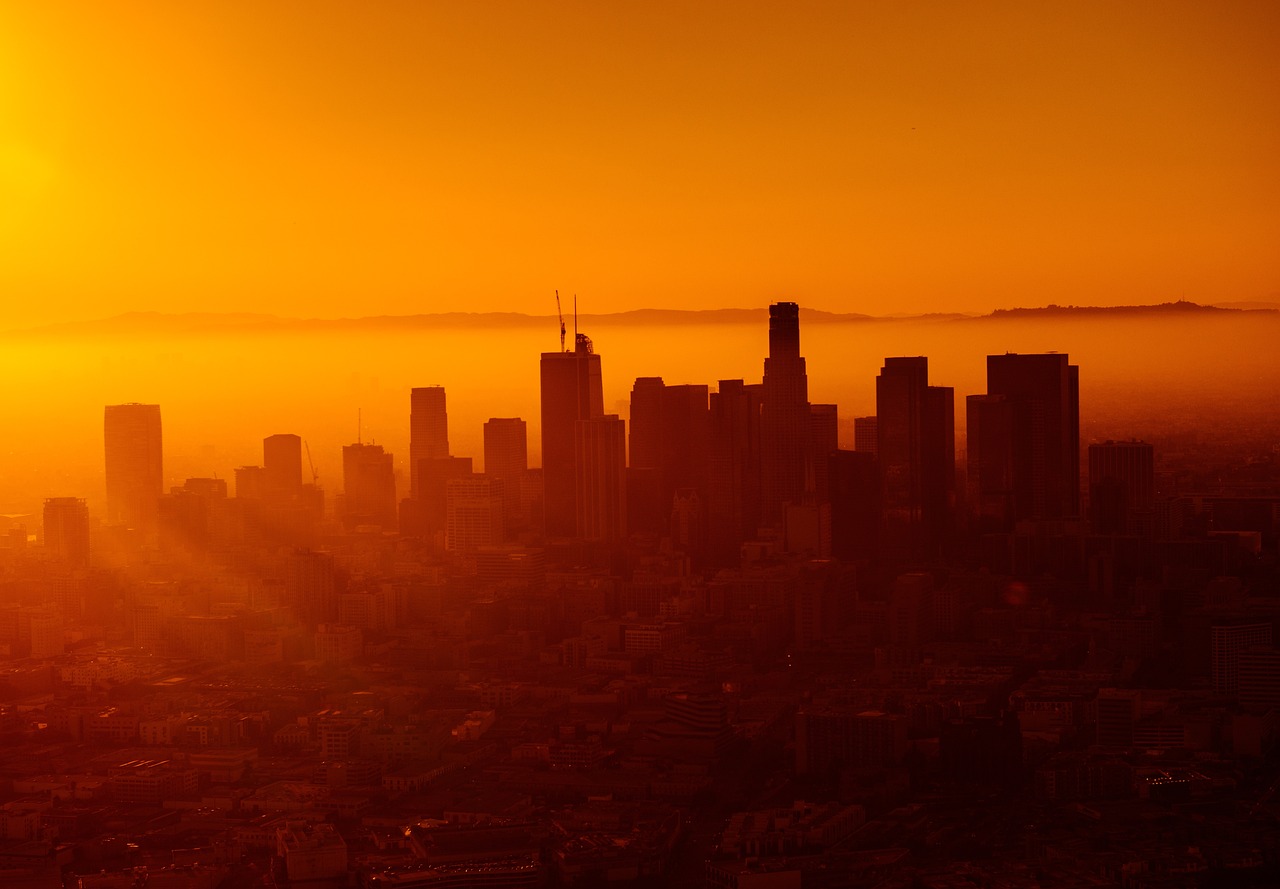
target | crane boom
x=560, y=314
x=315, y=476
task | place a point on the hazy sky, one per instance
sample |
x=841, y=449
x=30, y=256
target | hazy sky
x=353, y=158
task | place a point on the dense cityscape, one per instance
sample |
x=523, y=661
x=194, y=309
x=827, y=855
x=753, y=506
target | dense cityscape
x=700, y=645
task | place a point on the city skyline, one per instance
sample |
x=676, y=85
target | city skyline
x=570, y=445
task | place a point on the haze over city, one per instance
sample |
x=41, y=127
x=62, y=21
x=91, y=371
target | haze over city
x=831, y=446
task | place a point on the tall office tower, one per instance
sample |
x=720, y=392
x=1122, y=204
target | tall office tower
x=733, y=483
x=1258, y=678
x=571, y=391
x=196, y=516
x=1043, y=392
x=313, y=585
x=647, y=399
x=282, y=465
x=135, y=470
x=427, y=514
x=915, y=425
x=648, y=500
x=369, y=486
x=784, y=417
x=686, y=452
x=824, y=440
x=251, y=482
x=428, y=429
x=473, y=513
x=600, y=461
x=66, y=530
x=989, y=437
x=506, y=458
x=1227, y=643
x=866, y=435
x=1122, y=483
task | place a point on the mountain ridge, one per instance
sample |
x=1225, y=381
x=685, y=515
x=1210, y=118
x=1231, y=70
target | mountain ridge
x=143, y=322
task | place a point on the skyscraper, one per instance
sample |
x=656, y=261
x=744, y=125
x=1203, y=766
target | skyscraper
x=1121, y=486
x=1042, y=393
x=134, y=460
x=916, y=450
x=369, y=486
x=785, y=417
x=473, y=509
x=282, y=465
x=733, y=495
x=824, y=440
x=66, y=530
x=571, y=391
x=600, y=461
x=506, y=458
x=428, y=429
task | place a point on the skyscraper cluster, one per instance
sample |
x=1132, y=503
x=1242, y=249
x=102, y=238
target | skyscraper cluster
x=707, y=469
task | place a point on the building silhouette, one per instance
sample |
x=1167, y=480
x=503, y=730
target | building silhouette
x=134, y=464
x=428, y=429
x=785, y=417
x=369, y=486
x=915, y=428
x=506, y=458
x=824, y=440
x=1121, y=486
x=733, y=483
x=1026, y=440
x=601, y=483
x=473, y=513
x=66, y=530
x=571, y=390
x=282, y=466
x=866, y=435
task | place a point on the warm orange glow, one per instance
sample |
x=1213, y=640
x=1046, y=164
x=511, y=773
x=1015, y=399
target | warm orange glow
x=330, y=159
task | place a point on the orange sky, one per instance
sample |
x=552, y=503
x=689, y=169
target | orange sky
x=330, y=159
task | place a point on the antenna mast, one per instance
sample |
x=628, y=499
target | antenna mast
x=359, y=427
x=560, y=314
x=575, y=321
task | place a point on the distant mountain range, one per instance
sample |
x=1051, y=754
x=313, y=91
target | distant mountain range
x=231, y=322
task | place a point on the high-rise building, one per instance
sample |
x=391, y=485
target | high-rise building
x=670, y=450
x=785, y=417
x=600, y=460
x=369, y=486
x=282, y=466
x=66, y=530
x=572, y=391
x=866, y=435
x=426, y=514
x=824, y=440
x=1043, y=411
x=1258, y=678
x=733, y=485
x=251, y=482
x=1121, y=486
x=989, y=438
x=1227, y=644
x=647, y=400
x=428, y=429
x=135, y=464
x=313, y=586
x=915, y=425
x=473, y=513
x=506, y=458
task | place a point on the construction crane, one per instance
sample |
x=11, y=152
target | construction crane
x=315, y=476
x=560, y=314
